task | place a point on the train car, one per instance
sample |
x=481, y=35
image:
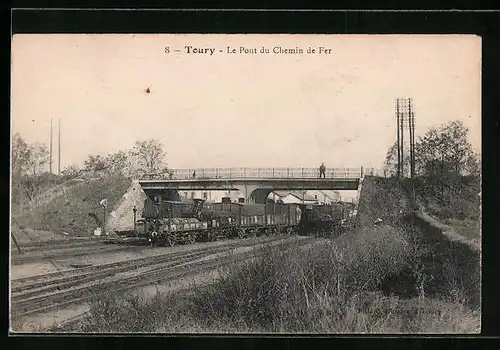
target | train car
x=322, y=220
x=169, y=222
x=154, y=208
x=171, y=231
x=259, y=219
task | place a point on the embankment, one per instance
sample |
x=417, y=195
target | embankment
x=67, y=209
x=448, y=265
x=121, y=218
x=382, y=198
x=453, y=261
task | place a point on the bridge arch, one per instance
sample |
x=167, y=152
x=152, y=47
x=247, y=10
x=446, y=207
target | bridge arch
x=259, y=195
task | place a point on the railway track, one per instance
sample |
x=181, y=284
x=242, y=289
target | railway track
x=67, y=252
x=44, y=293
x=39, y=280
x=72, y=324
x=35, y=247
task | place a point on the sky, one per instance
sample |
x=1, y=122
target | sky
x=235, y=110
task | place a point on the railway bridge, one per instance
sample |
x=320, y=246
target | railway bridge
x=254, y=183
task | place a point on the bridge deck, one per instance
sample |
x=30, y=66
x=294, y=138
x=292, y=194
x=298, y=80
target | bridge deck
x=243, y=174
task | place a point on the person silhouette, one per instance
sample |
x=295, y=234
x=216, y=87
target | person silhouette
x=322, y=170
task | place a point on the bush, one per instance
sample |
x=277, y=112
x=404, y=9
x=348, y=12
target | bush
x=445, y=213
x=333, y=288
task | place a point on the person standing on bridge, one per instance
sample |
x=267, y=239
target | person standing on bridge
x=322, y=170
x=194, y=174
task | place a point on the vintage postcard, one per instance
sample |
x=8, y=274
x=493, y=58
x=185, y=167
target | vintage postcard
x=312, y=184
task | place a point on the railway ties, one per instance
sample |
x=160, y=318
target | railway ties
x=64, y=252
x=40, y=294
x=190, y=269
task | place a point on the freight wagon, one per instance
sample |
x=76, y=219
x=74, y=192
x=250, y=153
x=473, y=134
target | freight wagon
x=165, y=221
x=322, y=220
x=257, y=219
x=171, y=231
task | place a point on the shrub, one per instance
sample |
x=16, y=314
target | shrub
x=291, y=290
x=445, y=213
x=330, y=288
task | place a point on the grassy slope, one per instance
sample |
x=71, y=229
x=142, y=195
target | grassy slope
x=382, y=198
x=461, y=208
x=387, y=199
x=325, y=290
x=69, y=213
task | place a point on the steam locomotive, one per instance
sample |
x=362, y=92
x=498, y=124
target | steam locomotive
x=167, y=222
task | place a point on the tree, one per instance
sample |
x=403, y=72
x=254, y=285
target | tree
x=19, y=160
x=28, y=158
x=443, y=155
x=37, y=157
x=28, y=161
x=473, y=166
x=149, y=156
x=95, y=163
x=20, y=156
x=446, y=149
x=71, y=171
x=391, y=161
x=119, y=163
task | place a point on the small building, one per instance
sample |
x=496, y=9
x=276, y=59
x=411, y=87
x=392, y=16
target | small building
x=325, y=196
x=277, y=196
x=308, y=197
x=211, y=196
x=297, y=197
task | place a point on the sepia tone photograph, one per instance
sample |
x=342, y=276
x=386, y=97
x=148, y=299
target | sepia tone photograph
x=256, y=184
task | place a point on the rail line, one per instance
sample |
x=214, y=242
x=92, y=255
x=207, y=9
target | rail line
x=38, y=280
x=57, y=246
x=66, y=253
x=34, y=301
x=62, y=279
x=20, y=293
x=183, y=271
x=64, y=241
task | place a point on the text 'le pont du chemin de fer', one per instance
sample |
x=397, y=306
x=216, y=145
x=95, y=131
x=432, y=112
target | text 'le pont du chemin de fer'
x=243, y=50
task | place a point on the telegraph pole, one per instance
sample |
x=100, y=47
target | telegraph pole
x=399, y=142
x=411, y=117
x=50, y=148
x=405, y=119
x=404, y=111
x=135, y=219
x=411, y=125
x=59, y=151
x=402, y=142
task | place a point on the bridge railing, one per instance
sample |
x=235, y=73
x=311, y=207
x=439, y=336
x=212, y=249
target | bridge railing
x=257, y=173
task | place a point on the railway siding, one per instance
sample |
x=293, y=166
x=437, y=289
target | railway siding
x=70, y=289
